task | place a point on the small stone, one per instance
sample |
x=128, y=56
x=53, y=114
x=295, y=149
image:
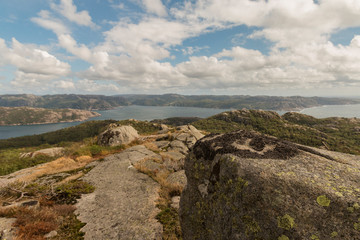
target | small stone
x=51, y=234
x=175, y=202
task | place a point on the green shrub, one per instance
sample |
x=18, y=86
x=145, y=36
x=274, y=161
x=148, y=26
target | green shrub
x=68, y=193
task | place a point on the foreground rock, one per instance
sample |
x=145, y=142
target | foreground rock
x=123, y=205
x=118, y=136
x=246, y=186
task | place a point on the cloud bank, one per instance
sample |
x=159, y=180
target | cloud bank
x=137, y=55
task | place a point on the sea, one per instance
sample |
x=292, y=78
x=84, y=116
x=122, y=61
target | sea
x=154, y=112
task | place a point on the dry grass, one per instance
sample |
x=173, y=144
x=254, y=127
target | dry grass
x=168, y=216
x=62, y=164
x=51, y=214
x=151, y=146
x=35, y=223
x=71, y=178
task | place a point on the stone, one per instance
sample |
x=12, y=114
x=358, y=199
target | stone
x=174, y=165
x=51, y=152
x=123, y=205
x=7, y=231
x=51, y=234
x=188, y=134
x=178, y=146
x=163, y=129
x=173, y=161
x=177, y=178
x=192, y=130
x=136, y=154
x=118, y=136
x=244, y=185
x=175, y=202
x=162, y=144
x=151, y=165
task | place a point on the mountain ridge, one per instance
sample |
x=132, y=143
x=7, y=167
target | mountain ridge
x=102, y=102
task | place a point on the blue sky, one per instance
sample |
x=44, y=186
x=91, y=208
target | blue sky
x=263, y=47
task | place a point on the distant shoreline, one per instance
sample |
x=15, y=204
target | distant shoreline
x=40, y=123
x=23, y=116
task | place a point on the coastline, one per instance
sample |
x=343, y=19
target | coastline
x=96, y=114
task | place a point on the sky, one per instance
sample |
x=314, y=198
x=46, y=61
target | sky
x=232, y=47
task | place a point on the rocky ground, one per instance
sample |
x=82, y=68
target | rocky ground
x=129, y=186
x=240, y=185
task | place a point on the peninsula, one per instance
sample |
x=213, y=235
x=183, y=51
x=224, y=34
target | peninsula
x=30, y=115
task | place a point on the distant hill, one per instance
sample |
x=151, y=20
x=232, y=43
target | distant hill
x=87, y=102
x=29, y=115
x=336, y=134
x=100, y=102
x=236, y=101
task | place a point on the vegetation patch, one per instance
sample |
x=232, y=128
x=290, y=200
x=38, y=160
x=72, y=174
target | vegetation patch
x=336, y=134
x=10, y=160
x=68, y=193
x=143, y=127
x=168, y=216
x=55, y=211
x=72, y=134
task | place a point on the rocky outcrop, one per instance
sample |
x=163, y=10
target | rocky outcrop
x=123, y=205
x=188, y=134
x=243, y=185
x=124, y=198
x=117, y=136
x=51, y=152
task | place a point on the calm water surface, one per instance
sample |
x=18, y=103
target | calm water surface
x=150, y=113
x=347, y=111
x=121, y=113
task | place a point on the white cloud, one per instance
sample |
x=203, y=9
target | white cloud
x=92, y=86
x=46, y=21
x=32, y=60
x=69, y=10
x=34, y=66
x=65, y=84
x=156, y=7
x=133, y=52
x=67, y=42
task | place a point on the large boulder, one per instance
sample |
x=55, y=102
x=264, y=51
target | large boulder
x=117, y=136
x=244, y=185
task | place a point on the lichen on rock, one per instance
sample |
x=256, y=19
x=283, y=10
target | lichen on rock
x=244, y=185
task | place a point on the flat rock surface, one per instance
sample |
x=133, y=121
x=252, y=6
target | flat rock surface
x=123, y=203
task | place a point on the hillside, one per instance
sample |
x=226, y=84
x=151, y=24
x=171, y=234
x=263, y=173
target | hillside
x=157, y=167
x=88, y=102
x=100, y=102
x=29, y=115
x=236, y=102
x=336, y=134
